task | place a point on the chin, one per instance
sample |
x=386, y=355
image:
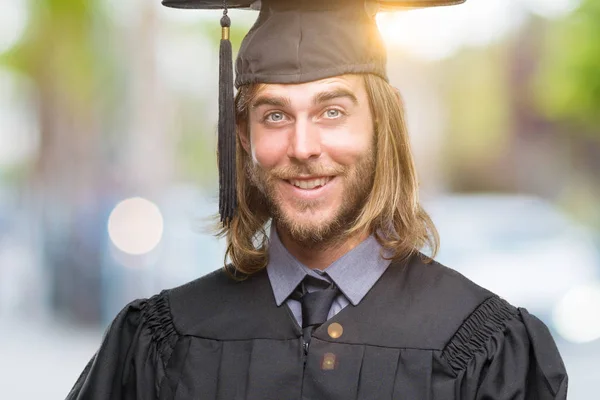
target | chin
x=309, y=215
x=307, y=225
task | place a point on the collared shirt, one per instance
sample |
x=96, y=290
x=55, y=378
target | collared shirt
x=354, y=274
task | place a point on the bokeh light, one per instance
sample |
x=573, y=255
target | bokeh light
x=19, y=135
x=437, y=33
x=577, y=314
x=135, y=226
x=13, y=20
x=552, y=8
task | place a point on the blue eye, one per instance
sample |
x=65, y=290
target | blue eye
x=333, y=113
x=275, y=117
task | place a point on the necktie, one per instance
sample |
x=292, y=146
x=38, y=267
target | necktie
x=315, y=306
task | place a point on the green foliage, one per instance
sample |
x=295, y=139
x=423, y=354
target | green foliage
x=568, y=85
x=196, y=150
x=59, y=49
x=478, y=105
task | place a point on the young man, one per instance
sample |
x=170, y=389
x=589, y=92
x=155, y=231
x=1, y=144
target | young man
x=336, y=302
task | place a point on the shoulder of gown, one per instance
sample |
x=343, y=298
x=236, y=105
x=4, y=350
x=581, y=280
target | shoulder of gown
x=149, y=339
x=504, y=352
x=494, y=350
x=133, y=356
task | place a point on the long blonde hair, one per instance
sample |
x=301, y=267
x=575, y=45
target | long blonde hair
x=392, y=212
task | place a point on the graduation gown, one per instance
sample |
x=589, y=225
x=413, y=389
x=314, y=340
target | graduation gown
x=422, y=332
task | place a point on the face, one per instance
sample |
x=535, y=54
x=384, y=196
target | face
x=312, y=154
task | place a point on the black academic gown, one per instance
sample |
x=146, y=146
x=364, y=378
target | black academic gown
x=422, y=332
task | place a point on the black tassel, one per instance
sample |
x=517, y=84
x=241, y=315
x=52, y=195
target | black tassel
x=226, y=147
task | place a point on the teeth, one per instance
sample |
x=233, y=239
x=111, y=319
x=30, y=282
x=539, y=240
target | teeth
x=310, y=184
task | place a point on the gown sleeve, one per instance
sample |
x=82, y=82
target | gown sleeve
x=502, y=352
x=130, y=362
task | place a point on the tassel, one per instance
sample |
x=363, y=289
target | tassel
x=226, y=146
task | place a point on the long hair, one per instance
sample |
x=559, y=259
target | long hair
x=392, y=212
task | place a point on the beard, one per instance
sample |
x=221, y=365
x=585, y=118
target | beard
x=357, y=183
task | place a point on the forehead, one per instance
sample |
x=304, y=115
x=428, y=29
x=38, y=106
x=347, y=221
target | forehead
x=307, y=91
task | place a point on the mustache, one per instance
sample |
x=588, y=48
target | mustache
x=293, y=171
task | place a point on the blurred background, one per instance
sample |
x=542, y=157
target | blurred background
x=108, y=169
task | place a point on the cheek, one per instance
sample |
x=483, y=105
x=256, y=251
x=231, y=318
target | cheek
x=349, y=147
x=268, y=150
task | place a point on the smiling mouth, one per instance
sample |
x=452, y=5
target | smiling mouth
x=308, y=184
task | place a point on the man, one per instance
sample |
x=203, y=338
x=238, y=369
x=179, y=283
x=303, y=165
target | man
x=336, y=302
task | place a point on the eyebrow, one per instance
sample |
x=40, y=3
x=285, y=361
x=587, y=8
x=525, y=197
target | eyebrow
x=338, y=93
x=319, y=98
x=275, y=101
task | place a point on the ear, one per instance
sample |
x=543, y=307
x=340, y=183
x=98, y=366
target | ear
x=244, y=136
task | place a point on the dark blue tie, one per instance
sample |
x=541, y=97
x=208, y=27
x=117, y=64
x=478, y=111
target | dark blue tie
x=315, y=305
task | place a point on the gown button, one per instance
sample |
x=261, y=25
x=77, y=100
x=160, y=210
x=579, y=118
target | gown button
x=335, y=330
x=329, y=362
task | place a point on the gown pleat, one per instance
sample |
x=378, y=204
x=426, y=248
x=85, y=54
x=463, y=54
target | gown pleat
x=275, y=370
x=378, y=373
x=413, y=375
x=233, y=370
x=199, y=376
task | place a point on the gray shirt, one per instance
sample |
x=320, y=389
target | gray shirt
x=354, y=274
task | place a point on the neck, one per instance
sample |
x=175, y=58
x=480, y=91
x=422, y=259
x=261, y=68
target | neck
x=319, y=255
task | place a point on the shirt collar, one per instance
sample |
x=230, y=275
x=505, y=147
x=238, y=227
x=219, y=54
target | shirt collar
x=354, y=273
x=285, y=272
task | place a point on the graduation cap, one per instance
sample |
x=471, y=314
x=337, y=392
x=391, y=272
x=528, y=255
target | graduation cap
x=293, y=41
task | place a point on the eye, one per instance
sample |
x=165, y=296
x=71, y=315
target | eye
x=333, y=113
x=275, y=117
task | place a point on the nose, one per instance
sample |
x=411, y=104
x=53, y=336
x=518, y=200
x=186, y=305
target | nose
x=305, y=142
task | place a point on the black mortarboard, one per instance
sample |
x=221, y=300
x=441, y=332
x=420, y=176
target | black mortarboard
x=294, y=41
